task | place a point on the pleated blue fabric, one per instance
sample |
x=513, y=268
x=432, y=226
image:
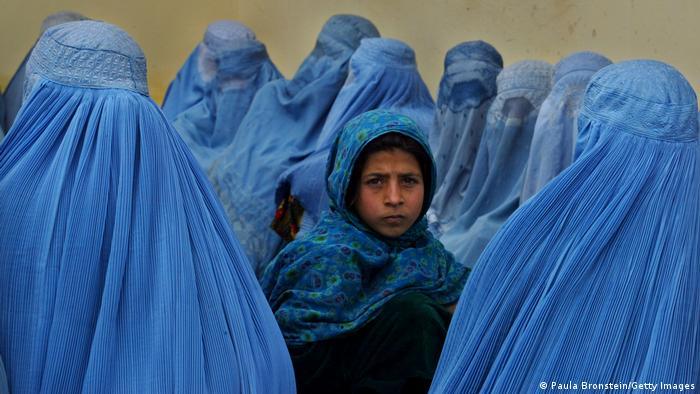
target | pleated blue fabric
x=467, y=89
x=238, y=66
x=14, y=92
x=493, y=192
x=554, y=139
x=595, y=279
x=118, y=271
x=383, y=75
x=281, y=128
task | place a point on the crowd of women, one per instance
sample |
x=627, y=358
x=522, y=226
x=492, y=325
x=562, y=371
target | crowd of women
x=537, y=228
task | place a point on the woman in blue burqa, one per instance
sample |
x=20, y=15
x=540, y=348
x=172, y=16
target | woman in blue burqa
x=118, y=271
x=199, y=70
x=281, y=128
x=467, y=89
x=361, y=298
x=232, y=66
x=595, y=279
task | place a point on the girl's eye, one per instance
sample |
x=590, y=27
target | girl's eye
x=410, y=181
x=374, y=181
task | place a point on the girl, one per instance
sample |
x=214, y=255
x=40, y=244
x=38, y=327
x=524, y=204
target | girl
x=360, y=298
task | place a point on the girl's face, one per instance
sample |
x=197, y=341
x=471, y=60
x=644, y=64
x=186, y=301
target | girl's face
x=390, y=194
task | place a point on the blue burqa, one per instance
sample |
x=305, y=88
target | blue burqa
x=467, y=89
x=223, y=43
x=13, y=94
x=383, y=75
x=552, y=148
x=493, y=192
x=281, y=128
x=595, y=279
x=238, y=67
x=118, y=271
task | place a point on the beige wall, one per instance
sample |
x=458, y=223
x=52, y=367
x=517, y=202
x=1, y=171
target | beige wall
x=519, y=29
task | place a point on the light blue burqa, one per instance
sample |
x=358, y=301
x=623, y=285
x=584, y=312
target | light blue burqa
x=467, y=89
x=235, y=67
x=13, y=94
x=118, y=271
x=595, y=279
x=281, y=128
x=552, y=148
x=198, y=76
x=383, y=75
x=494, y=187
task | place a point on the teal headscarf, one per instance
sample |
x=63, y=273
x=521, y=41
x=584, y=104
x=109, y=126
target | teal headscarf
x=336, y=278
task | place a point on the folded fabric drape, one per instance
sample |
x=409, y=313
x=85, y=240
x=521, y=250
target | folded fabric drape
x=595, y=279
x=118, y=271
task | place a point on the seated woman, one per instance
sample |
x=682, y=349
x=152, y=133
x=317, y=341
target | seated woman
x=118, y=271
x=361, y=298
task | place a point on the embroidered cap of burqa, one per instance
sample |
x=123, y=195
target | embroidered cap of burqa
x=14, y=91
x=494, y=188
x=467, y=89
x=237, y=67
x=383, y=75
x=595, y=279
x=118, y=271
x=281, y=128
x=552, y=148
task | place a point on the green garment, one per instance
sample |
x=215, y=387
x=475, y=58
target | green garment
x=397, y=352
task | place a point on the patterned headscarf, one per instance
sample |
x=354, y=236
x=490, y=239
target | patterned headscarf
x=335, y=278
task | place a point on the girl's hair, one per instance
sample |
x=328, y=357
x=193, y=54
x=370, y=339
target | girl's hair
x=386, y=142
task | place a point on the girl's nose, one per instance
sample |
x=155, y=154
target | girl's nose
x=393, y=194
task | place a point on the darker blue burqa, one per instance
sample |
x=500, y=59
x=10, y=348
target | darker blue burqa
x=467, y=89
